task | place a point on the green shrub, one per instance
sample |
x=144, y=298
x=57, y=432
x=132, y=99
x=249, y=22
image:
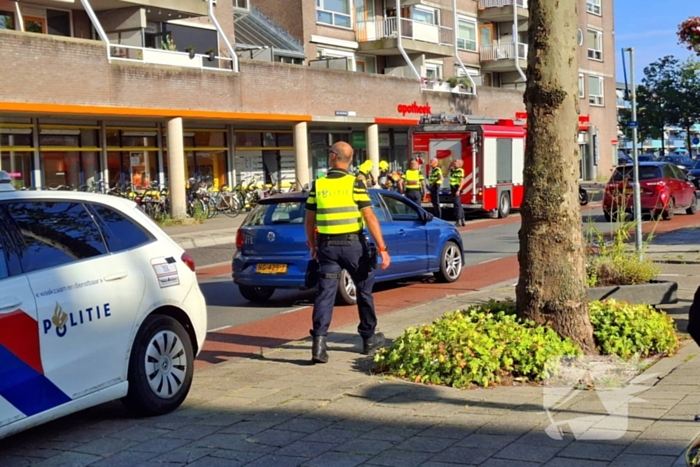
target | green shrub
x=616, y=263
x=627, y=330
x=478, y=346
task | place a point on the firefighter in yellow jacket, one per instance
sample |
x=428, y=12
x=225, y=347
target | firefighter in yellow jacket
x=338, y=206
x=364, y=174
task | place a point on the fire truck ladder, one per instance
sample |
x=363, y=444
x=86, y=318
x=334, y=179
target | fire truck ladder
x=460, y=119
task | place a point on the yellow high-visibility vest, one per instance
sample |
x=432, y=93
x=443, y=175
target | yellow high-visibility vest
x=435, y=175
x=336, y=210
x=413, y=179
x=456, y=176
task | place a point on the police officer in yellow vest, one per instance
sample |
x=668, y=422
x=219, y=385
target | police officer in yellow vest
x=414, y=182
x=435, y=179
x=337, y=206
x=456, y=180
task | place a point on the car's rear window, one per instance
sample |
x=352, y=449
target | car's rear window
x=645, y=173
x=287, y=212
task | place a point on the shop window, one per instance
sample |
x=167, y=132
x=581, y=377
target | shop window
x=60, y=140
x=319, y=139
x=212, y=139
x=285, y=140
x=269, y=140
x=7, y=20
x=24, y=139
x=113, y=138
x=248, y=139
x=138, y=141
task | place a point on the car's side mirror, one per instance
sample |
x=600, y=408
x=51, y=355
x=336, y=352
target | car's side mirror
x=427, y=217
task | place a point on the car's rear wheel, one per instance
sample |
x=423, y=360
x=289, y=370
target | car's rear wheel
x=160, y=367
x=256, y=294
x=450, y=263
x=347, y=292
x=693, y=208
x=670, y=210
x=607, y=215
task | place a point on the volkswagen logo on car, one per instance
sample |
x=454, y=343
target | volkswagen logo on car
x=271, y=236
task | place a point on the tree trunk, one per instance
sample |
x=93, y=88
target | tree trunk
x=552, y=286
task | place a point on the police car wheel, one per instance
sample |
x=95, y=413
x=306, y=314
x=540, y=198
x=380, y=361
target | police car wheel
x=256, y=294
x=160, y=367
x=450, y=263
x=347, y=294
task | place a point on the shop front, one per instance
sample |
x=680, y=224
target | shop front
x=265, y=156
x=132, y=156
x=16, y=153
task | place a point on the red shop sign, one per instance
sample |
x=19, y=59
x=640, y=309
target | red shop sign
x=414, y=109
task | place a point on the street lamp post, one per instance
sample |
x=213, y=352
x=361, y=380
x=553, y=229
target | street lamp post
x=635, y=156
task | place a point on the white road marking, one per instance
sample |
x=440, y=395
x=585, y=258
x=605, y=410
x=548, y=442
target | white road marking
x=674, y=275
x=489, y=260
x=293, y=310
x=220, y=329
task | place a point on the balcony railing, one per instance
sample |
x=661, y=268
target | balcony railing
x=373, y=30
x=503, y=52
x=168, y=57
x=444, y=86
x=483, y=4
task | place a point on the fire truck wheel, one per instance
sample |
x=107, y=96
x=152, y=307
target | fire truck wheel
x=504, y=205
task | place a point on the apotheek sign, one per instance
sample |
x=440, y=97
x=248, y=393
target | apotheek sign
x=414, y=109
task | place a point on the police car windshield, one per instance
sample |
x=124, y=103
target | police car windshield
x=284, y=212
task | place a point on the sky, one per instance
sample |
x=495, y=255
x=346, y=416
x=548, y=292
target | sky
x=650, y=27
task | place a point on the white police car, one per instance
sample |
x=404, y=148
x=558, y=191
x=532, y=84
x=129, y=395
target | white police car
x=96, y=304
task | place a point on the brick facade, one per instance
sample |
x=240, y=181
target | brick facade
x=76, y=72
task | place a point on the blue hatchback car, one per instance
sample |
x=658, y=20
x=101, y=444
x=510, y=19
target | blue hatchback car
x=271, y=251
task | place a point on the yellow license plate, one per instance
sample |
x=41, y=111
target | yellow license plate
x=263, y=268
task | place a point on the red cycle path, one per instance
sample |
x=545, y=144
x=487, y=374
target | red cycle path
x=252, y=338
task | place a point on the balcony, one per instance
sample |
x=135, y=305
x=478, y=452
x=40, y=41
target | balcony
x=502, y=10
x=463, y=87
x=380, y=37
x=153, y=56
x=502, y=57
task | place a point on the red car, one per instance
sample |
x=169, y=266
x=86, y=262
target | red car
x=664, y=188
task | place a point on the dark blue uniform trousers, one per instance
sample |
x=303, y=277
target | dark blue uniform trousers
x=332, y=259
x=435, y=199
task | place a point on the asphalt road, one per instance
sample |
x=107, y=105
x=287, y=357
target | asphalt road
x=228, y=308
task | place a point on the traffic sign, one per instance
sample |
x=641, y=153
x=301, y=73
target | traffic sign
x=696, y=141
x=632, y=124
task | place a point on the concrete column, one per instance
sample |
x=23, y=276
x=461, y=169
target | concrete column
x=159, y=142
x=104, y=162
x=373, y=148
x=301, y=154
x=176, y=169
x=36, y=172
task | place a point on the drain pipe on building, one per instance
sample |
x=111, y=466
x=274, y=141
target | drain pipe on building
x=455, y=31
x=234, y=57
x=398, y=41
x=18, y=15
x=97, y=25
x=516, y=43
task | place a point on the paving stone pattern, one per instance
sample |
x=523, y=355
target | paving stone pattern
x=278, y=410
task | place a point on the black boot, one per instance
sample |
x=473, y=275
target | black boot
x=372, y=344
x=318, y=350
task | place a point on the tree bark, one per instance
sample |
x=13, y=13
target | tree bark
x=552, y=285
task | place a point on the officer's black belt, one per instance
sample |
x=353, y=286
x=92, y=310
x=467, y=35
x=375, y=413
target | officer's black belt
x=339, y=240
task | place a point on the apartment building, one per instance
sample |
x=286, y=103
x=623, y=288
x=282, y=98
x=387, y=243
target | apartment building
x=114, y=91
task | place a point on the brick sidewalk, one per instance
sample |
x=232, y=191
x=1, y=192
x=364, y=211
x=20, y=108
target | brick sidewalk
x=277, y=410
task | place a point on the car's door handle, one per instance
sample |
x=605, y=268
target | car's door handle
x=402, y=232
x=9, y=305
x=115, y=277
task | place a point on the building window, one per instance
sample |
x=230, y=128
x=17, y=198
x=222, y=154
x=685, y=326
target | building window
x=581, y=86
x=595, y=44
x=7, y=20
x=242, y=4
x=426, y=15
x=333, y=12
x=593, y=6
x=433, y=71
x=595, y=90
x=466, y=36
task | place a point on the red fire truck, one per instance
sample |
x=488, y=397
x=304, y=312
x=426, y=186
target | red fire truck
x=492, y=151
